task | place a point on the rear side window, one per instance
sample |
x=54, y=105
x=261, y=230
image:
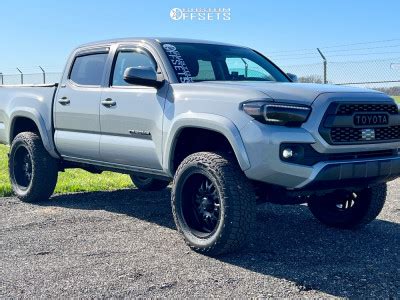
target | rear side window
x=88, y=69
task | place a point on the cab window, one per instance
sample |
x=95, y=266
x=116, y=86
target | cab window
x=127, y=59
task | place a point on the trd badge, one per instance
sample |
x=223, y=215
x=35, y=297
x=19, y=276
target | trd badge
x=368, y=134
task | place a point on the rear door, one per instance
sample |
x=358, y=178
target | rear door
x=131, y=115
x=76, y=107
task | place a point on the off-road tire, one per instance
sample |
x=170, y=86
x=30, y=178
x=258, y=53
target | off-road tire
x=44, y=168
x=237, y=203
x=369, y=204
x=149, y=184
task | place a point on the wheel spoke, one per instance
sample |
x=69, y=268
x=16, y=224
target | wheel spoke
x=22, y=167
x=205, y=205
x=345, y=204
x=208, y=185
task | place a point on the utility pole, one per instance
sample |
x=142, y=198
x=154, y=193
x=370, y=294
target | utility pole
x=44, y=75
x=325, y=66
x=22, y=76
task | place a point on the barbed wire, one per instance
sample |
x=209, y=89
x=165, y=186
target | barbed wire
x=336, y=46
x=365, y=48
x=344, y=50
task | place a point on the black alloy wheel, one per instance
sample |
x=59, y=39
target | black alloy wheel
x=22, y=168
x=202, y=211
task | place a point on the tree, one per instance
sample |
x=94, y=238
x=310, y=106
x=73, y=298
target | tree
x=311, y=79
x=392, y=91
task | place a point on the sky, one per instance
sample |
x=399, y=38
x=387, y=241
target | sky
x=44, y=32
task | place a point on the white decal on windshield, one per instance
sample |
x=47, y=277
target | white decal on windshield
x=181, y=69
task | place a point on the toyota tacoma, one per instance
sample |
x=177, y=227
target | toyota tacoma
x=222, y=122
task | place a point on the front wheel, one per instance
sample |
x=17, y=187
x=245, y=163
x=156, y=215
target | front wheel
x=213, y=203
x=33, y=172
x=349, y=210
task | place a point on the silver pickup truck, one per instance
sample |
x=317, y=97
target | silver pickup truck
x=223, y=122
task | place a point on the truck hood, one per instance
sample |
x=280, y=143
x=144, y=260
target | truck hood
x=304, y=93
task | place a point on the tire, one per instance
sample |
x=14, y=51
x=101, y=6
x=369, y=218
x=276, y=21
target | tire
x=349, y=210
x=149, y=184
x=33, y=172
x=213, y=203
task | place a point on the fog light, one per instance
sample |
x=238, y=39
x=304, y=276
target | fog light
x=287, y=153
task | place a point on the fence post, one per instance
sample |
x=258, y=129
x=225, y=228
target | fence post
x=44, y=75
x=325, y=66
x=22, y=76
x=1, y=78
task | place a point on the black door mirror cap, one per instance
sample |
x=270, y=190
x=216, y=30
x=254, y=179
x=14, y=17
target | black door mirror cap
x=146, y=76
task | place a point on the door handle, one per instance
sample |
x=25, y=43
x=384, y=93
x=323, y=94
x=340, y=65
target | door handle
x=64, y=101
x=108, y=102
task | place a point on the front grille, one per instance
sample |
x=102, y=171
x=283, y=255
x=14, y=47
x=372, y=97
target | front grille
x=345, y=135
x=354, y=135
x=387, y=133
x=346, y=132
x=349, y=109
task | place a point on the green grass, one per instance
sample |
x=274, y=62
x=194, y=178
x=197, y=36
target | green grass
x=397, y=98
x=72, y=180
x=5, y=188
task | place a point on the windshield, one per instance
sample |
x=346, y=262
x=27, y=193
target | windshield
x=193, y=62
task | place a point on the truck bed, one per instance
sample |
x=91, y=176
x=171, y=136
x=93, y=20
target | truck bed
x=31, y=101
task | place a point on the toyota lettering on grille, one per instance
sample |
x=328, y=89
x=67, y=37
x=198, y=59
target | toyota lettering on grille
x=371, y=119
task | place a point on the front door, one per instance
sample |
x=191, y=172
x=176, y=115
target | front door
x=76, y=118
x=131, y=115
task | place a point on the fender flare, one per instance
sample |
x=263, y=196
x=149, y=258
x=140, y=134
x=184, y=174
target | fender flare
x=211, y=122
x=34, y=115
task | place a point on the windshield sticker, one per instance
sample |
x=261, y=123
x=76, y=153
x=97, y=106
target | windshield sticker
x=181, y=69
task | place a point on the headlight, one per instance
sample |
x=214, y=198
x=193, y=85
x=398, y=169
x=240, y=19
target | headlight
x=282, y=114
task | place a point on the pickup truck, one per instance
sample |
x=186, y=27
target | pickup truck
x=222, y=122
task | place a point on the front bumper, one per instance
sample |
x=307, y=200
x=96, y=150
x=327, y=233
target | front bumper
x=263, y=142
x=352, y=173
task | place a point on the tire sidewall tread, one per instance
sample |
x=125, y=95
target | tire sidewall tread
x=237, y=201
x=44, y=169
x=373, y=200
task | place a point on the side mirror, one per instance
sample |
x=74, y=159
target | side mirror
x=292, y=77
x=146, y=76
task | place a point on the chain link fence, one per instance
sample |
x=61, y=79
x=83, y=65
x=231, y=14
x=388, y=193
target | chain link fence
x=30, y=78
x=379, y=74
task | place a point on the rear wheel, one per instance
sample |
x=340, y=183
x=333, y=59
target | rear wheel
x=33, y=172
x=149, y=184
x=349, y=210
x=213, y=203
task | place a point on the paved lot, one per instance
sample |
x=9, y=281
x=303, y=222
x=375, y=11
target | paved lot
x=124, y=244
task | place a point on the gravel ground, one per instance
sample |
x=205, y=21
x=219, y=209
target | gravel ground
x=123, y=244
